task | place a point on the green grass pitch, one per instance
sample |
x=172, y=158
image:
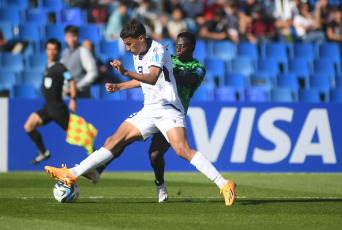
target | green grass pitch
x=128, y=201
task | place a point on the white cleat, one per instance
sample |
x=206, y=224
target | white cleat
x=162, y=194
x=92, y=175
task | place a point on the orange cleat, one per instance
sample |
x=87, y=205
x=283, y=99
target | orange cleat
x=63, y=174
x=229, y=192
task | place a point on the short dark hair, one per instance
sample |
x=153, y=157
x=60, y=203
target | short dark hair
x=71, y=29
x=133, y=28
x=55, y=42
x=189, y=36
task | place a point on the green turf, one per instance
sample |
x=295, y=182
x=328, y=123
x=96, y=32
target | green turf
x=128, y=201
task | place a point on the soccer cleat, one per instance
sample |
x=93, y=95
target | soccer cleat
x=63, y=174
x=228, y=191
x=162, y=194
x=93, y=175
x=40, y=157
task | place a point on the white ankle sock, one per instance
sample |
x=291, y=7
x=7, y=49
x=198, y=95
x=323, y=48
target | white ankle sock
x=94, y=160
x=204, y=166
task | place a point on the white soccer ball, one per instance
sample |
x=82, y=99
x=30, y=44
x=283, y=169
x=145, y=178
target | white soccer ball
x=64, y=193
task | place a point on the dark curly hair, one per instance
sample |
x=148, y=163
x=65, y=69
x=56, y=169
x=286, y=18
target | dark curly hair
x=133, y=28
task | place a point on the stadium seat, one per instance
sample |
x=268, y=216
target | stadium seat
x=109, y=50
x=255, y=94
x=301, y=67
x=10, y=15
x=200, y=52
x=264, y=80
x=216, y=68
x=277, y=51
x=7, y=30
x=304, y=50
x=13, y=62
x=24, y=91
x=20, y=4
x=53, y=5
x=135, y=94
x=269, y=66
x=325, y=65
x=322, y=83
x=289, y=80
x=247, y=49
x=244, y=65
x=331, y=51
x=31, y=33
x=202, y=94
x=336, y=95
x=54, y=31
x=35, y=78
x=237, y=81
x=308, y=95
x=7, y=80
x=221, y=49
x=71, y=16
x=36, y=16
x=91, y=32
x=225, y=93
x=36, y=62
x=338, y=81
x=282, y=95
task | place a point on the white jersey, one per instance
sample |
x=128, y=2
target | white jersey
x=164, y=92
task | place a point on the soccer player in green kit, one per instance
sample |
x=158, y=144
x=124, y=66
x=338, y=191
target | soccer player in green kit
x=189, y=74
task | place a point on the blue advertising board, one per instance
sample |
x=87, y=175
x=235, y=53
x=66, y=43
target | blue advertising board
x=236, y=137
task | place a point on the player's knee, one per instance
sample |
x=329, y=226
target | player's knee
x=155, y=155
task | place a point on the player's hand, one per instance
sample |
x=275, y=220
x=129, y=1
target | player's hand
x=111, y=88
x=72, y=106
x=118, y=66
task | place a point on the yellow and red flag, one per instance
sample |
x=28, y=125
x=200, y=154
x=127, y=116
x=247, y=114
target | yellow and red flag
x=81, y=133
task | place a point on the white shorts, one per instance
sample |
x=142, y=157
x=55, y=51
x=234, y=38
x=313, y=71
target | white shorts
x=151, y=120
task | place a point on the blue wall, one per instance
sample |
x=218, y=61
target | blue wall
x=256, y=137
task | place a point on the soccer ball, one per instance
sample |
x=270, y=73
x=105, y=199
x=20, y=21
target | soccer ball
x=64, y=193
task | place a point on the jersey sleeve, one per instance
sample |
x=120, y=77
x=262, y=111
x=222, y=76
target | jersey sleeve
x=157, y=57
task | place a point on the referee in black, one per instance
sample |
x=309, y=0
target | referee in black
x=55, y=76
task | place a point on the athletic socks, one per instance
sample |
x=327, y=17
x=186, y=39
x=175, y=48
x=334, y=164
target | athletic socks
x=101, y=168
x=37, y=140
x=204, y=166
x=94, y=160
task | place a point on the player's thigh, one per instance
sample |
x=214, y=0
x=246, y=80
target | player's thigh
x=178, y=139
x=159, y=145
x=124, y=135
x=32, y=122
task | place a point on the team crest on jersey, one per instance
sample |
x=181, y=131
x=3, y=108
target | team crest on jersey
x=155, y=49
x=47, y=82
x=199, y=71
x=140, y=57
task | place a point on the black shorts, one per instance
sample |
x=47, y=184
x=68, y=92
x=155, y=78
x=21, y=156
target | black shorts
x=57, y=112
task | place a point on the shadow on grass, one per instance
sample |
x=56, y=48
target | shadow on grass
x=304, y=200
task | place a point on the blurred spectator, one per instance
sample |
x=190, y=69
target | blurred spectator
x=177, y=24
x=216, y=28
x=323, y=13
x=170, y=5
x=97, y=13
x=209, y=9
x=262, y=27
x=269, y=7
x=147, y=14
x=116, y=21
x=236, y=20
x=192, y=8
x=248, y=6
x=103, y=70
x=164, y=20
x=306, y=26
x=14, y=46
x=334, y=30
x=79, y=61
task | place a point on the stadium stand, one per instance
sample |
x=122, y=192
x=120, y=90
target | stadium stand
x=24, y=90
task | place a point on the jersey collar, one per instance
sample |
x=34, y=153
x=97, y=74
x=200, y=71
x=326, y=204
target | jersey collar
x=149, y=43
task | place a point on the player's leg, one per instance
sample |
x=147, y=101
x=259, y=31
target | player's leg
x=179, y=142
x=126, y=133
x=158, y=148
x=34, y=121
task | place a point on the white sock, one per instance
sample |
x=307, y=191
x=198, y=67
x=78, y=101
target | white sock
x=204, y=166
x=94, y=160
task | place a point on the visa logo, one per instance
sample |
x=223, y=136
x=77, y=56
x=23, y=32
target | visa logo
x=316, y=121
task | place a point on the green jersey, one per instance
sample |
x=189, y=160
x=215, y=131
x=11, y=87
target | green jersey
x=181, y=69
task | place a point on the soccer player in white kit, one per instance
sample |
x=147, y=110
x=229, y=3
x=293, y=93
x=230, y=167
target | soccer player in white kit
x=162, y=111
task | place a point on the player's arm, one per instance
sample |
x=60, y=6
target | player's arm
x=149, y=78
x=73, y=94
x=113, y=88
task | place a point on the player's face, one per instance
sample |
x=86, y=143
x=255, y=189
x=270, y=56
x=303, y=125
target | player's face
x=184, y=49
x=134, y=45
x=71, y=39
x=52, y=52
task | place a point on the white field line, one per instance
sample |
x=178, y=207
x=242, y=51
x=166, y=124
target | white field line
x=198, y=197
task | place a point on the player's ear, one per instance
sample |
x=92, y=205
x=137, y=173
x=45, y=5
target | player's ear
x=141, y=38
